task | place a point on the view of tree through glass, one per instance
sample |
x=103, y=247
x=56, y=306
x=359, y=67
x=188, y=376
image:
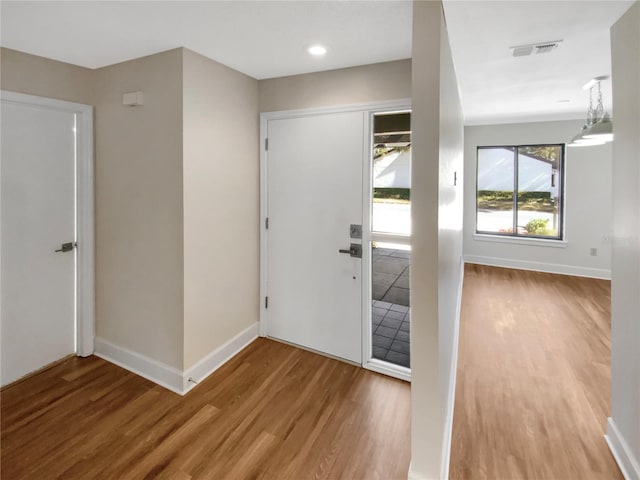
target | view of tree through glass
x=519, y=190
x=391, y=208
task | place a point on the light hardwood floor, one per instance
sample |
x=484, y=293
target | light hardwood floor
x=533, y=380
x=272, y=412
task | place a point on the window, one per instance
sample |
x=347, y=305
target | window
x=391, y=208
x=519, y=191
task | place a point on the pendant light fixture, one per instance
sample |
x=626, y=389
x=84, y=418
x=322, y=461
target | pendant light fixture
x=599, y=129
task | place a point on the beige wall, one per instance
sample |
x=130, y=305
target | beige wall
x=427, y=421
x=367, y=83
x=625, y=285
x=33, y=75
x=221, y=205
x=177, y=187
x=138, y=172
x=138, y=190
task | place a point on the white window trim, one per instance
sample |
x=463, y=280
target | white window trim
x=538, y=242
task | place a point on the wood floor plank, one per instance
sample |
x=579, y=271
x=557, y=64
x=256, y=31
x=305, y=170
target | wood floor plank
x=533, y=379
x=272, y=412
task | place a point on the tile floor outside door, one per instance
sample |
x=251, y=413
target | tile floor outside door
x=391, y=330
x=391, y=316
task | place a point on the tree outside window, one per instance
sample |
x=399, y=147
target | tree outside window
x=519, y=191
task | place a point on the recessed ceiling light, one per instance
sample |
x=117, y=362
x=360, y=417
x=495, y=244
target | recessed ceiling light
x=564, y=100
x=317, y=50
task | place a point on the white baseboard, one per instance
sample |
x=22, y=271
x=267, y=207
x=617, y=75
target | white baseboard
x=621, y=452
x=169, y=377
x=540, y=266
x=219, y=357
x=164, y=375
x=416, y=476
x=451, y=397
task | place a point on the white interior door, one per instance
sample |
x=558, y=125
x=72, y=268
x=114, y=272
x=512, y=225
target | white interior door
x=38, y=216
x=314, y=193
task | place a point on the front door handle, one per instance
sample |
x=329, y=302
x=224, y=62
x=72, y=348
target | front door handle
x=66, y=247
x=355, y=250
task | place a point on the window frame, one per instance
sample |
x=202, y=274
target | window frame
x=561, y=191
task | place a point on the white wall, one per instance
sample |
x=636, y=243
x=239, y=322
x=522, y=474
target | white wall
x=450, y=240
x=427, y=421
x=221, y=188
x=436, y=216
x=587, y=203
x=624, y=425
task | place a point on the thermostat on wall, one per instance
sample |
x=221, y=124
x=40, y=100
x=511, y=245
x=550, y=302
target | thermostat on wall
x=132, y=99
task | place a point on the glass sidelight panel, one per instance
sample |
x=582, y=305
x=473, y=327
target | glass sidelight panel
x=391, y=208
x=391, y=317
x=390, y=235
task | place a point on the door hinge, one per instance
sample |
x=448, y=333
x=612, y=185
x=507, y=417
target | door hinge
x=266, y=144
x=266, y=302
x=266, y=223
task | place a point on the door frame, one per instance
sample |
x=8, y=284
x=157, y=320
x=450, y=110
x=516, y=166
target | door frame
x=367, y=110
x=85, y=252
x=368, y=361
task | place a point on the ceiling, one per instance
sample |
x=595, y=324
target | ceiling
x=496, y=87
x=263, y=39
x=267, y=39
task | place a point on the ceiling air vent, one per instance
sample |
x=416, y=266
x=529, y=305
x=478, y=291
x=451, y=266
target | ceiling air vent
x=524, y=50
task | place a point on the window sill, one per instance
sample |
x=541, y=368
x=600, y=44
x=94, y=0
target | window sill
x=538, y=242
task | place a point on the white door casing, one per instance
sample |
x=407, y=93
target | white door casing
x=46, y=200
x=314, y=185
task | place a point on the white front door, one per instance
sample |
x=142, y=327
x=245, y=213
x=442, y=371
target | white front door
x=314, y=168
x=38, y=215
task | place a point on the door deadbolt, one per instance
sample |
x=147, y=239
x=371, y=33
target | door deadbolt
x=355, y=250
x=355, y=231
x=66, y=247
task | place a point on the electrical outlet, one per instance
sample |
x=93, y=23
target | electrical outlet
x=594, y=252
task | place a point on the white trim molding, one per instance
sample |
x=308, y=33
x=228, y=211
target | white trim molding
x=85, y=233
x=536, y=242
x=171, y=378
x=412, y=475
x=160, y=373
x=85, y=266
x=389, y=369
x=621, y=452
x=388, y=106
x=540, y=266
x=218, y=357
x=451, y=397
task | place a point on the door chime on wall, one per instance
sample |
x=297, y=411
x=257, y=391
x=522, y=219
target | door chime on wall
x=599, y=129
